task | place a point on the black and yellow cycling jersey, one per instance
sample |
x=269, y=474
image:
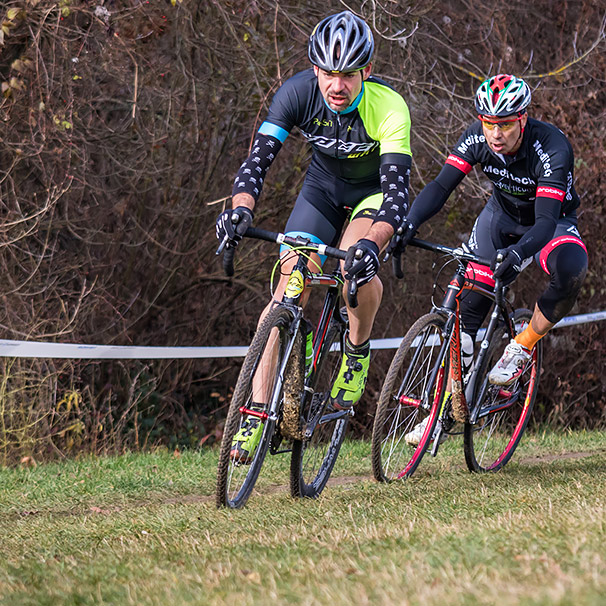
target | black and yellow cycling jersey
x=347, y=144
x=367, y=144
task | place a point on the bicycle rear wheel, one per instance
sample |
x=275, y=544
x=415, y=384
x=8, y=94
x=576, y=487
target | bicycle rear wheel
x=504, y=412
x=314, y=456
x=236, y=480
x=412, y=394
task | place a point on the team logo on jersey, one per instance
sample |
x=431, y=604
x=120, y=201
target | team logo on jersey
x=469, y=141
x=550, y=192
x=346, y=148
x=544, y=158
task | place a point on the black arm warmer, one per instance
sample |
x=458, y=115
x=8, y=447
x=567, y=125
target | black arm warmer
x=395, y=176
x=546, y=212
x=252, y=173
x=434, y=195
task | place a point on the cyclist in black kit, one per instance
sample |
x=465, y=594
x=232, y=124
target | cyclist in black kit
x=359, y=131
x=531, y=213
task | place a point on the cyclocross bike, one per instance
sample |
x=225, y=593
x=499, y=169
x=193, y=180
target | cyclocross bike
x=296, y=414
x=427, y=383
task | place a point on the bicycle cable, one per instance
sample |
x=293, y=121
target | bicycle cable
x=300, y=250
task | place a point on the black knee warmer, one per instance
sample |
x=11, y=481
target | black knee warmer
x=567, y=265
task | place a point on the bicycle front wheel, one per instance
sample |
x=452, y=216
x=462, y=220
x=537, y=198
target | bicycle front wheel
x=410, y=400
x=314, y=456
x=258, y=383
x=502, y=412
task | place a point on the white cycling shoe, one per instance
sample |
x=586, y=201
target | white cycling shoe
x=413, y=437
x=511, y=365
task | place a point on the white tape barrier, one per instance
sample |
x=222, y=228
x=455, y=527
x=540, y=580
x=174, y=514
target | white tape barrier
x=564, y=322
x=74, y=351
x=31, y=349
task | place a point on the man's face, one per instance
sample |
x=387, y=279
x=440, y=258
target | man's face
x=340, y=89
x=504, y=135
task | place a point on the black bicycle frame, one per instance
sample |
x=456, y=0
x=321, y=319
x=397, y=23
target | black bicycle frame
x=301, y=277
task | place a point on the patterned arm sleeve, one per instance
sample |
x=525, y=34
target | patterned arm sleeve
x=252, y=173
x=395, y=177
x=273, y=132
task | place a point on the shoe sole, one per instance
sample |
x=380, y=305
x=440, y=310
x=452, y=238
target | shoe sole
x=237, y=457
x=501, y=383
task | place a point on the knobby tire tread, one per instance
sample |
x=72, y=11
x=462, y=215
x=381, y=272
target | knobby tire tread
x=299, y=488
x=279, y=316
x=386, y=402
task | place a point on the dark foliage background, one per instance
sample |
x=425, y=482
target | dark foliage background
x=122, y=125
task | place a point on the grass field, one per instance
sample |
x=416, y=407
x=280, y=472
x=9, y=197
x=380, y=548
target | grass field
x=144, y=530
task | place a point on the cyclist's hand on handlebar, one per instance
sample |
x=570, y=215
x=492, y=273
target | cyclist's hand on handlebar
x=506, y=265
x=232, y=224
x=362, y=261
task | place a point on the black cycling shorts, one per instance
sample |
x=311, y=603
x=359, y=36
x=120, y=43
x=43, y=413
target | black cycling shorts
x=325, y=203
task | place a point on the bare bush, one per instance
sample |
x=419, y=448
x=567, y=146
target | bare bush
x=123, y=123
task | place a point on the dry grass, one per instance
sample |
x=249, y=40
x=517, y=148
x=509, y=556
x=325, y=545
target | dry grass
x=143, y=529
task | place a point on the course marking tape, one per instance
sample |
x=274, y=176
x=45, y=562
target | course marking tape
x=75, y=351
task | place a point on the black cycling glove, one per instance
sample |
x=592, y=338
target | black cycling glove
x=400, y=239
x=509, y=267
x=232, y=224
x=397, y=244
x=362, y=261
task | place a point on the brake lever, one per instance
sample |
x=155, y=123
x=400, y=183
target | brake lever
x=396, y=266
x=352, y=293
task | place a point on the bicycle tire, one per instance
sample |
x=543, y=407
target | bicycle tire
x=314, y=458
x=490, y=443
x=410, y=376
x=235, y=481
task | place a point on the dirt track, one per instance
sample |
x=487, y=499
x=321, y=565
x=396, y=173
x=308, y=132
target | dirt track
x=272, y=489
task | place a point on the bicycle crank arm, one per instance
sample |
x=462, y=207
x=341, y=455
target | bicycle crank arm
x=512, y=399
x=327, y=418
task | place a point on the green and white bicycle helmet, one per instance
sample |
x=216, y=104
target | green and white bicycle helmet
x=341, y=43
x=502, y=95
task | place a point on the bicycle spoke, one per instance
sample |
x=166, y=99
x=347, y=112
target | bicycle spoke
x=411, y=396
x=314, y=457
x=503, y=412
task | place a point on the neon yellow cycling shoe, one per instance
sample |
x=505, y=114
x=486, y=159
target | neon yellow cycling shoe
x=245, y=442
x=351, y=380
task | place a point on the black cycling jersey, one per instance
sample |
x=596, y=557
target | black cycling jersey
x=369, y=142
x=542, y=167
x=533, y=187
x=531, y=209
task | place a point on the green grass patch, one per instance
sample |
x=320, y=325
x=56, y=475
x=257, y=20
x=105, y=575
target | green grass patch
x=142, y=529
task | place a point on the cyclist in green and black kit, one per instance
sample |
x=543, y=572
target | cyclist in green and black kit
x=359, y=131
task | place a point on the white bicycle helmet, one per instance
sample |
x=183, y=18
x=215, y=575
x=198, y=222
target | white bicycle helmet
x=502, y=95
x=341, y=43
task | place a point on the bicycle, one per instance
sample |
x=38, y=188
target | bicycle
x=297, y=414
x=428, y=361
